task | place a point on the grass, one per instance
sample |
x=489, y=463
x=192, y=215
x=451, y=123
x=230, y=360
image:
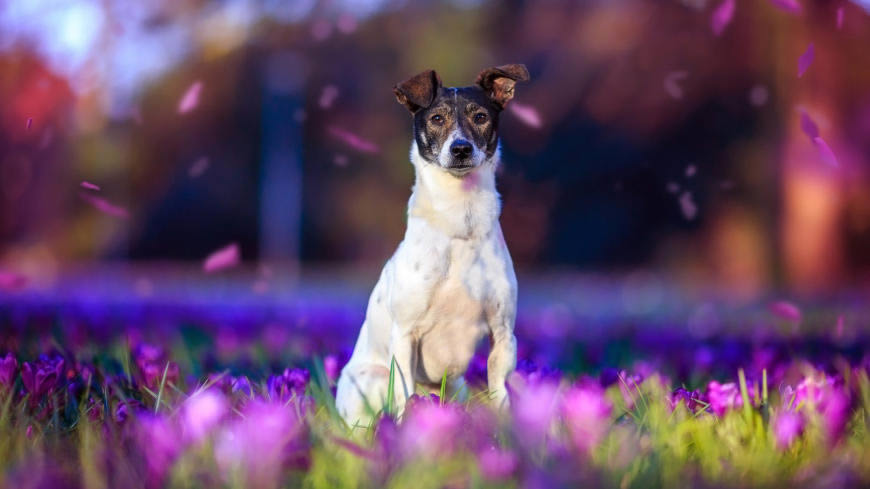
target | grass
x=116, y=431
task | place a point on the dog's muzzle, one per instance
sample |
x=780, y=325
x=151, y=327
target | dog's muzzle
x=461, y=161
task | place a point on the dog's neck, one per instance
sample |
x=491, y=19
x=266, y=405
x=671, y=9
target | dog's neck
x=461, y=207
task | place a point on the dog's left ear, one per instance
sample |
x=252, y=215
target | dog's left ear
x=419, y=91
x=498, y=82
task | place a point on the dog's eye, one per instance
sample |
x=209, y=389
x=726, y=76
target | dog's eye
x=480, y=118
x=437, y=119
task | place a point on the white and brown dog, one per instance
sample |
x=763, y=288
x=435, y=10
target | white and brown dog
x=451, y=282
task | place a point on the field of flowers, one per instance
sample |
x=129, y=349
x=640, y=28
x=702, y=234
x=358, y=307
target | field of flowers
x=165, y=399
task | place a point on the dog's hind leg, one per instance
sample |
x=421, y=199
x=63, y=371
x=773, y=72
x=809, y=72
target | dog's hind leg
x=361, y=394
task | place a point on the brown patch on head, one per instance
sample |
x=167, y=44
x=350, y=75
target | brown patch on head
x=499, y=82
x=419, y=91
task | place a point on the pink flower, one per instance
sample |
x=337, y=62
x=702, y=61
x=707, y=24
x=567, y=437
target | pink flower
x=430, y=429
x=787, y=426
x=496, y=464
x=534, y=407
x=724, y=397
x=160, y=445
x=202, y=412
x=258, y=448
x=587, y=414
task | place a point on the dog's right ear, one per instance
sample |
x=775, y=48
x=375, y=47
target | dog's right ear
x=418, y=92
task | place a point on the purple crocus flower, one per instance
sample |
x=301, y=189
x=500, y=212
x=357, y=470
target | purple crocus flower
x=43, y=375
x=812, y=390
x=533, y=373
x=787, y=426
x=243, y=385
x=292, y=382
x=693, y=400
x=496, y=464
x=534, y=406
x=123, y=409
x=587, y=414
x=152, y=363
x=835, y=409
x=8, y=370
x=160, y=445
x=430, y=429
x=258, y=448
x=333, y=364
x=724, y=397
x=202, y=412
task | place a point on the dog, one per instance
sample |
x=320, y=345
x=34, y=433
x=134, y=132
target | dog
x=451, y=281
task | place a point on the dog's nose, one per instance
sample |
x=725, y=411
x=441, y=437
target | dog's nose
x=461, y=149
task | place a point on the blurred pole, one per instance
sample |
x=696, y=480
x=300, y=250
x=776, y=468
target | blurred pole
x=281, y=167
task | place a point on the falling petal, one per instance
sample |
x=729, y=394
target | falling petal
x=198, y=167
x=786, y=310
x=105, y=206
x=354, y=141
x=328, y=96
x=29, y=122
x=790, y=6
x=825, y=152
x=11, y=280
x=526, y=113
x=722, y=16
x=758, y=95
x=346, y=24
x=840, y=327
x=340, y=160
x=190, y=99
x=672, y=81
x=321, y=30
x=89, y=186
x=808, y=126
x=840, y=12
x=688, y=206
x=226, y=257
x=691, y=170
x=806, y=60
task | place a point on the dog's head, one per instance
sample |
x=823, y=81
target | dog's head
x=456, y=128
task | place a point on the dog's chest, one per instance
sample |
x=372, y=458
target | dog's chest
x=456, y=287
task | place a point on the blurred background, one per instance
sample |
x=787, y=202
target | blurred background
x=655, y=164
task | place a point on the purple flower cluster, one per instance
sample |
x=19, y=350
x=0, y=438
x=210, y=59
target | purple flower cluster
x=289, y=384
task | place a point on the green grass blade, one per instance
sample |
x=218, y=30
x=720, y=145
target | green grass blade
x=160, y=390
x=391, y=387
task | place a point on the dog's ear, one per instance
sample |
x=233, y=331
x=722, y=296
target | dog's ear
x=419, y=91
x=498, y=82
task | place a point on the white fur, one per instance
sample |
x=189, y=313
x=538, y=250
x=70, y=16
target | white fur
x=449, y=284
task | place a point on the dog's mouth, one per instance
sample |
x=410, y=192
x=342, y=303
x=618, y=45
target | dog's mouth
x=460, y=170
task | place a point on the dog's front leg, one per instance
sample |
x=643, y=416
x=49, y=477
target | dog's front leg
x=402, y=349
x=501, y=362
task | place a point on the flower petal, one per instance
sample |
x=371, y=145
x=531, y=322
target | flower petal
x=806, y=60
x=722, y=16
